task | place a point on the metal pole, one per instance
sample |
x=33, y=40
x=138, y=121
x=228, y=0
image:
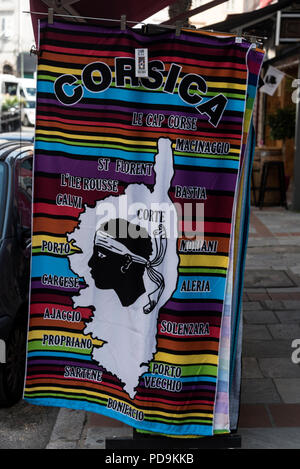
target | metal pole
x=296, y=189
x=195, y=11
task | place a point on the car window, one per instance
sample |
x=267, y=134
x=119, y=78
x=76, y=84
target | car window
x=9, y=88
x=31, y=91
x=30, y=104
x=24, y=191
x=3, y=189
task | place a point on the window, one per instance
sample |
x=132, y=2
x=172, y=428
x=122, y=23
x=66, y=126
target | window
x=3, y=195
x=31, y=91
x=9, y=88
x=24, y=191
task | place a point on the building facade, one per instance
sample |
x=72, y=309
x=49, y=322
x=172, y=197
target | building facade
x=230, y=7
x=16, y=38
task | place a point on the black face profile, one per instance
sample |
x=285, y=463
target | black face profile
x=114, y=267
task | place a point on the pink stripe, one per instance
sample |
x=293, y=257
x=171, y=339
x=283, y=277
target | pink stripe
x=214, y=332
x=124, y=126
x=84, y=52
x=198, y=63
x=211, y=227
x=51, y=209
x=173, y=402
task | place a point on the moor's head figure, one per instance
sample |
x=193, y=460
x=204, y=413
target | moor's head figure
x=119, y=259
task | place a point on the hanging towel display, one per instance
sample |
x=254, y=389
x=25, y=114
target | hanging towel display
x=135, y=182
x=229, y=367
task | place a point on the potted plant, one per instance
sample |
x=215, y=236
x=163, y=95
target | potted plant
x=282, y=123
x=282, y=127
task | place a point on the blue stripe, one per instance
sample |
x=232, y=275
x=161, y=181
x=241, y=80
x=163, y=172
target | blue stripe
x=133, y=96
x=190, y=429
x=251, y=91
x=206, y=162
x=51, y=265
x=134, y=156
x=188, y=379
x=76, y=356
x=217, y=287
x=94, y=151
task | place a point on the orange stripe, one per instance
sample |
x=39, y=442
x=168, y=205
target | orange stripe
x=145, y=133
x=43, y=323
x=186, y=68
x=223, y=243
x=185, y=345
x=173, y=407
x=136, y=402
x=75, y=383
x=54, y=226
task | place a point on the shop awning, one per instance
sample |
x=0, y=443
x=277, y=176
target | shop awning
x=135, y=10
x=244, y=20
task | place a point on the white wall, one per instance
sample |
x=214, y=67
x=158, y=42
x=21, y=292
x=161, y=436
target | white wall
x=16, y=34
x=213, y=15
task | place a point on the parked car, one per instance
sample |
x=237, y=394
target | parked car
x=27, y=88
x=10, y=113
x=28, y=112
x=15, y=238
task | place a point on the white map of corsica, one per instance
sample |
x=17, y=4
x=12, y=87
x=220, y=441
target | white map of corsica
x=129, y=262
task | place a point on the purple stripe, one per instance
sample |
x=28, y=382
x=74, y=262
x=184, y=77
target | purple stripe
x=222, y=182
x=197, y=38
x=198, y=387
x=221, y=407
x=194, y=387
x=60, y=164
x=130, y=110
x=182, y=306
x=48, y=361
x=119, y=109
x=39, y=285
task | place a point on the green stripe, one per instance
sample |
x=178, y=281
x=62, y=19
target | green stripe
x=36, y=345
x=201, y=270
x=204, y=155
x=228, y=94
x=38, y=250
x=59, y=395
x=96, y=145
x=173, y=421
x=194, y=370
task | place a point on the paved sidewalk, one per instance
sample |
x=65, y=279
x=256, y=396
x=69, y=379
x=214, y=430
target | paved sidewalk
x=270, y=397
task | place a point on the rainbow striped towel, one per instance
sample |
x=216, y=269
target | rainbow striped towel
x=139, y=146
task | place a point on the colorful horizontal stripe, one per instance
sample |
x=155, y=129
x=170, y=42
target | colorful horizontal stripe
x=102, y=147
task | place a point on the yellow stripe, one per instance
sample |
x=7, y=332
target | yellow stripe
x=203, y=261
x=38, y=335
x=230, y=86
x=65, y=71
x=176, y=416
x=37, y=241
x=186, y=359
x=77, y=73
x=65, y=390
x=104, y=396
x=93, y=137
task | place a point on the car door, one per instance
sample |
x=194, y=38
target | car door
x=23, y=198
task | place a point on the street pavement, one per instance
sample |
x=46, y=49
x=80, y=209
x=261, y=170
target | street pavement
x=26, y=426
x=270, y=389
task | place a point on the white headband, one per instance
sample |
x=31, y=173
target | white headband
x=108, y=242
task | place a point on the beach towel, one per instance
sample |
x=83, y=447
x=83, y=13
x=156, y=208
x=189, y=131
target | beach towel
x=138, y=145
